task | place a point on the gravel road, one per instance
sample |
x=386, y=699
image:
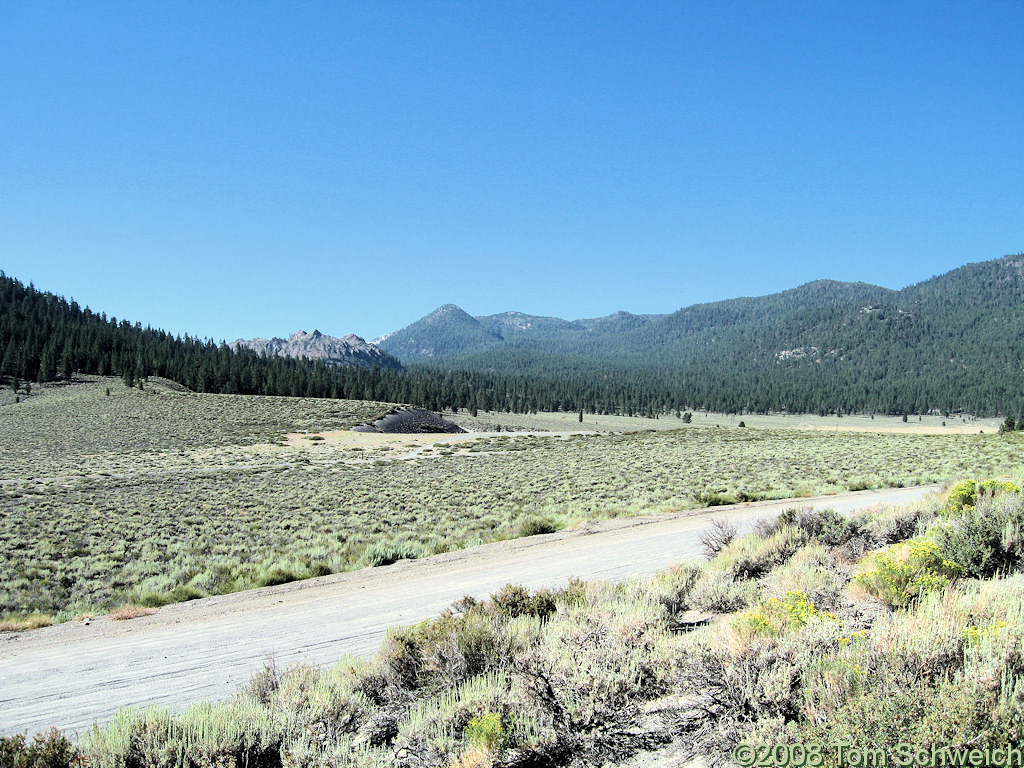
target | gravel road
x=72, y=675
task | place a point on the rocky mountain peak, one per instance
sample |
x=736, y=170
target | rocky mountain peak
x=348, y=350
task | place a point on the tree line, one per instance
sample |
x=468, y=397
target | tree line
x=44, y=337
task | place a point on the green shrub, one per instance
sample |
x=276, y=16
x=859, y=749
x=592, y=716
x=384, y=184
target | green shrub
x=534, y=525
x=320, y=568
x=46, y=750
x=184, y=593
x=905, y=572
x=442, y=652
x=828, y=526
x=485, y=731
x=775, y=617
x=514, y=601
x=712, y=498
x=153, y=600
x=825, y=525
x=276, y=576
x=965, y=495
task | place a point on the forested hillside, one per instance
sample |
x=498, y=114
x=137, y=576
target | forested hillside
x=950, y=344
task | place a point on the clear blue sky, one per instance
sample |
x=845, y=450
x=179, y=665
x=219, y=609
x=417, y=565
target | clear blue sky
x=241, y=169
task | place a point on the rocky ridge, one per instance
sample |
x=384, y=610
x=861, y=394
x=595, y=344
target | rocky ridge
x=347, y=350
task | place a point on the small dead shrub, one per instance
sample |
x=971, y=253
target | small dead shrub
x=718, y=535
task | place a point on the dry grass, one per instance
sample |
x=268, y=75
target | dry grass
x=126, y=612
x=472, y=758
x=21, y=623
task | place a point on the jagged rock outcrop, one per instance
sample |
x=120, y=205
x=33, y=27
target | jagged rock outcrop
x=348, y=350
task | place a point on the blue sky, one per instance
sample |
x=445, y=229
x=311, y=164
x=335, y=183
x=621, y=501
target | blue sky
x=241, y=169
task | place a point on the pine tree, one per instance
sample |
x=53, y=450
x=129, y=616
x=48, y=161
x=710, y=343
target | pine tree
x=66, y=364
x=48, y=363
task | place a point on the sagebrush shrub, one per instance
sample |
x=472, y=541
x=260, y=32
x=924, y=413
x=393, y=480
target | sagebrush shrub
x=46, y=750
x=387, y=552
x=986, y=539
x=673, y=587
x=750, y=557
x=535, y=525
x=717, y=592
x=516, y=600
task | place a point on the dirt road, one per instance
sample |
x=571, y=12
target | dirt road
x=73, y=674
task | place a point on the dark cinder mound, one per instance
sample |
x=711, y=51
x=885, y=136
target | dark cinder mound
x=410, y=421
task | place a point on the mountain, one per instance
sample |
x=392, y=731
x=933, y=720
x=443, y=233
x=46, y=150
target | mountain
x=508, y=324
x=953, y=342
x=446, y=331
x=618, y=322
x=348, y=350
x=449, y=332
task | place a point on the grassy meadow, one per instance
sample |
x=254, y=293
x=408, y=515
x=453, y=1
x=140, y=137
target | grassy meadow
x=156, y=495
